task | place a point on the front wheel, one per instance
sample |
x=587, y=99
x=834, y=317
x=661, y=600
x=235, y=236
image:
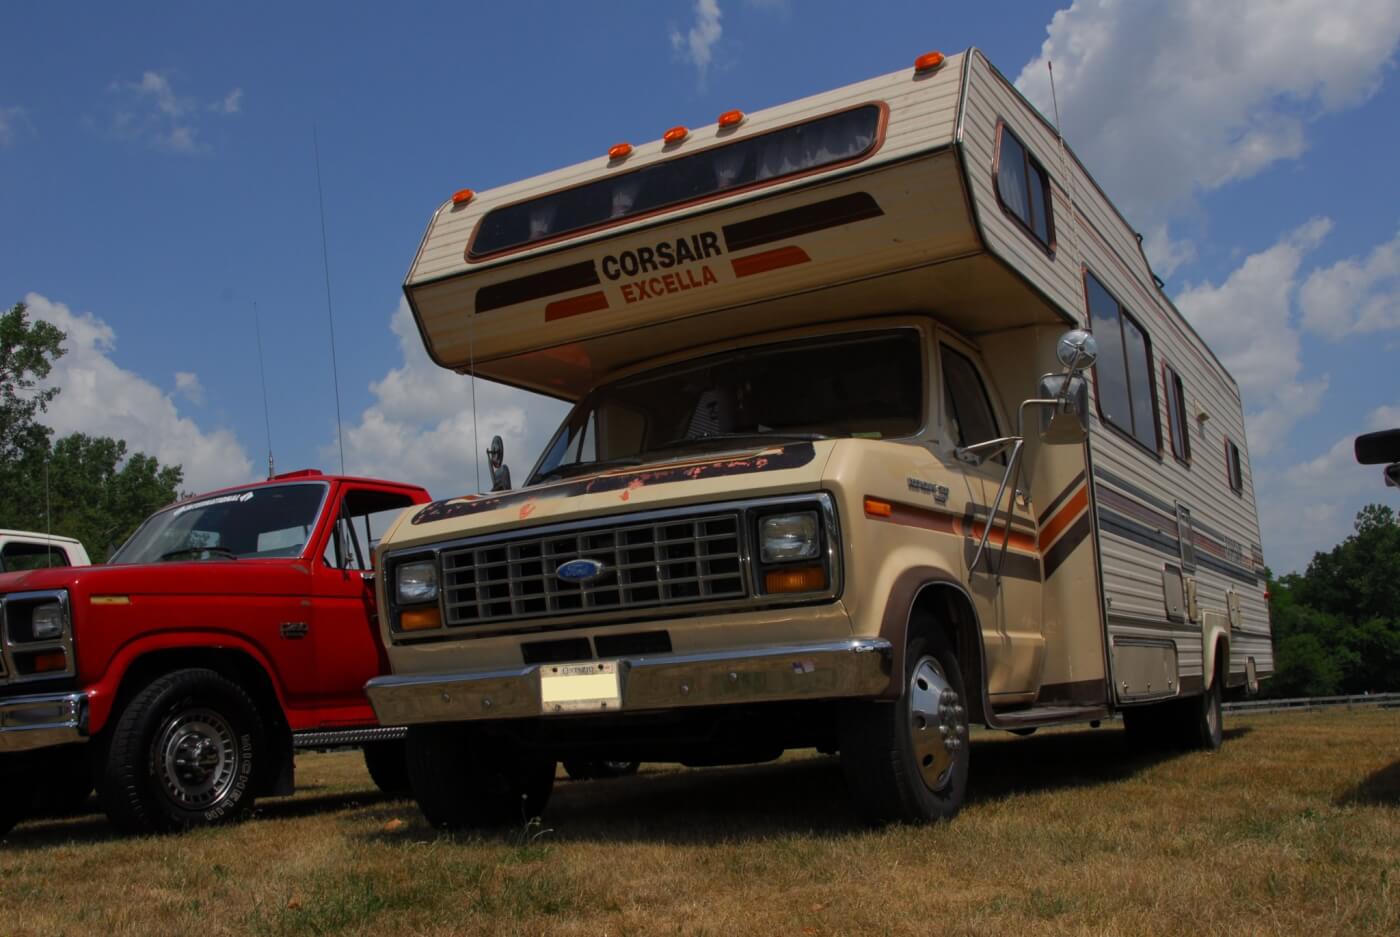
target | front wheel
x=461, y=779
x=387, y=764
x=183, y=753
x=907, y=761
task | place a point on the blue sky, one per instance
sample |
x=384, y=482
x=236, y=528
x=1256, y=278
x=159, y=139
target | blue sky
x=157, y=179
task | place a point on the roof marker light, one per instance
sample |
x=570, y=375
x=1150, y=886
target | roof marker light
x=731, y=119
x=462, y=196
x=928, y=62
x=619, y=151
x=675, y=135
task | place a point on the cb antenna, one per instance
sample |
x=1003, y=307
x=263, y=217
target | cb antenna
x=330, y=314
x=262, y=376
x=1064, y=170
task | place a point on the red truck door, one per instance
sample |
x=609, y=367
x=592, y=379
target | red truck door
x=345, y=626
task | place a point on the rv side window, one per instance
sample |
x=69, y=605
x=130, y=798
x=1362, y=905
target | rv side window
x=1023, y=188
x=1123, y=374
x=969, y=410
x=1176, y=415
x=1233, y=468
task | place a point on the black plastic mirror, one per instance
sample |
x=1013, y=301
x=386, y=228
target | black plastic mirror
x=496, y=461
x=1378, y=448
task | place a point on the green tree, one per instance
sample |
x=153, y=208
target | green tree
x=27, y=350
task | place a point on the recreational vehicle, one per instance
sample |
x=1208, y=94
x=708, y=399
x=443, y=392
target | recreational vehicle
x=882, y=427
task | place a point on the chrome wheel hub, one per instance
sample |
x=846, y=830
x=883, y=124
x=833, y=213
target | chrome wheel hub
x=937, y=723
x=197, y=755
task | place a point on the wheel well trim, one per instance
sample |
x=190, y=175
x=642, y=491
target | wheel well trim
x=906, y=596
x=1216, y=651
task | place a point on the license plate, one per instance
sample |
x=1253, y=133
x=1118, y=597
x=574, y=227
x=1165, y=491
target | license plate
x=580, y=688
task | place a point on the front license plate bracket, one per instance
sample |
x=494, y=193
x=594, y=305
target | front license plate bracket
x=584, y=687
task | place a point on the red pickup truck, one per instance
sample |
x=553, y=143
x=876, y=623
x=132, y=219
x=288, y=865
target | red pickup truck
x=179, y=678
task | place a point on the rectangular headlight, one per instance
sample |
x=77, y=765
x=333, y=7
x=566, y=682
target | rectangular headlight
x=416, y=582
x=787, y=537
x=48, y=622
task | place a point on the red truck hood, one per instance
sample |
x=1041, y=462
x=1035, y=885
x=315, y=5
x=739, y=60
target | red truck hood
x=205, y=577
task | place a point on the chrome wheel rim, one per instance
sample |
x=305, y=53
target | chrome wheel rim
x=1213, y=710
x=197, y=755
x=937, y=723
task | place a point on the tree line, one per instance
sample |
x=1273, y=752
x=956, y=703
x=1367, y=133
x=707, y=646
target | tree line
x=88, y=487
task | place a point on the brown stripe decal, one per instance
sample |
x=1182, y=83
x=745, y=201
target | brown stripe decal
x=1016, y=565
x=769, y=260
x=575, y=306
x=1056, y=555
x=1060, y=498
x=537, y=286
x=818, y=216
x=1052, y=529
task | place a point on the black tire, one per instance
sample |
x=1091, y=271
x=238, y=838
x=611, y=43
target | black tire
x=15, y=802
x=1027, y=732
x=463, y=780
x=68, y=782
x=893, y=778
x=387, y=764
x=183, y=753
x=1200, y=719
x=587, y=769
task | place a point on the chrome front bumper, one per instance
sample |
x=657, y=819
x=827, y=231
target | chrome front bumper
x=856, y=668
x=29, y=722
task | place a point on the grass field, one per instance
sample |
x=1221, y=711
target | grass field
x=1293, y=828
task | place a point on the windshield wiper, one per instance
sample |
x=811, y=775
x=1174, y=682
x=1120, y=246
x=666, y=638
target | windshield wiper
x=583, y=468
x=183, y=551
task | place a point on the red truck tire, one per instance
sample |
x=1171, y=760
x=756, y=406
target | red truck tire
x=185, y=752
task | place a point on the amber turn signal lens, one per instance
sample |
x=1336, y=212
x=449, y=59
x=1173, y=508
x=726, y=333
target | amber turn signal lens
x=877, y=508
x=48, y=662
x=928, y=61
x=619, y=151
x=419, y=619
x=802, y=579
x=731, y=119
x=675, y=135
x=462, y=196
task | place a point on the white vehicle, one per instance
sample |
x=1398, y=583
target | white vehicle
x=25, y=549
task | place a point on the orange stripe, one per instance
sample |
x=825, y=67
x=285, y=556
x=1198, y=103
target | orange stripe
x=575, y=306
x=1056, y=525
x=769, y=260
x=944, y=522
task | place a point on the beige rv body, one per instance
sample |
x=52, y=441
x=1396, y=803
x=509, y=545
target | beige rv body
x=1113, y=575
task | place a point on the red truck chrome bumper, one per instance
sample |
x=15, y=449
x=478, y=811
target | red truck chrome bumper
x=29, y=722
x=852, y=668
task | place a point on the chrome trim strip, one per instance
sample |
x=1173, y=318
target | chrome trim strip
x=853, y=668
x=29, y=722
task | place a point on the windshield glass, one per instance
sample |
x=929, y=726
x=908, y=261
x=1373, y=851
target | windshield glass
x=266, y=521
x=867, y=384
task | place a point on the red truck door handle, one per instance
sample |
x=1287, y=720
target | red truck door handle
x=295, y=630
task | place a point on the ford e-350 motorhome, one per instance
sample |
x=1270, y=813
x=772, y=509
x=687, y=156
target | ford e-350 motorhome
x=882, y=427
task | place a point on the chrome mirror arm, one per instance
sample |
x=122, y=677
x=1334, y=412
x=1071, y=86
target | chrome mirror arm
x=1011, y=466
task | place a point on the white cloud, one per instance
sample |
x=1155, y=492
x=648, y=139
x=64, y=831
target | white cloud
x=419, y=429
x=9, y=117
x=100, y=398
x=1248, y=321
x=696, y=45
x=1355, y=295
x=1167, y=100
x=187, y=385
x=1164, y=252
x=149, y=110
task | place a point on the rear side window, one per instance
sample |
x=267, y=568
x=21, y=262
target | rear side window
x=21, y=556
x=1233, y=469
x=1176, y=414
x=970, y=417
x=1123, y=374
x=1023, y=187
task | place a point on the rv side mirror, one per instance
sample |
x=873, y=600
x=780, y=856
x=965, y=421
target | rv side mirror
x=1067, y=421
x=496, y=460
x=1379, y=448
x=1077, y=350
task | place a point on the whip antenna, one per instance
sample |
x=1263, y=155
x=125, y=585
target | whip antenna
x=330, y=314
x=476, y=440
x=1064, y=169
x=262, y=376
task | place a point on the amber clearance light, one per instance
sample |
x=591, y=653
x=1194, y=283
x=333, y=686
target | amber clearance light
x=928, y=62
x=462, y=196
x=619, y=151
x=731, y=119
x=48, y=662
x=877, y=508
x=419, y=619
x=675, y=134
x=802, y=579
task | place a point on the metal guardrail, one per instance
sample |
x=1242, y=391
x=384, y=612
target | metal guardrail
x=1306, y=703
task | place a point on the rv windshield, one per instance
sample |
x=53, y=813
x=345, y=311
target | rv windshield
x=266, y=521
x=867, y=384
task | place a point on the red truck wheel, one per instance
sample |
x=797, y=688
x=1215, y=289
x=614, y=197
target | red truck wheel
x=184, y=753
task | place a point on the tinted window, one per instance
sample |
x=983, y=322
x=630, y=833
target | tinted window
x=1024, y=187
x=761, y=158
x=18, y=556
x=1233, y=467
x=267, y=521
x=1123, y=373
x=1176, y=416
x=970, y=416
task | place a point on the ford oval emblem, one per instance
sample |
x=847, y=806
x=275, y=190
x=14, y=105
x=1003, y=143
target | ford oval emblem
x=579, y=571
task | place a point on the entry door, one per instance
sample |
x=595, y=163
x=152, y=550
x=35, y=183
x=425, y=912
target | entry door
x=1006, y=583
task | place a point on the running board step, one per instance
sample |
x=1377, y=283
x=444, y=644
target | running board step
x=336, y=738
x=1047, y=715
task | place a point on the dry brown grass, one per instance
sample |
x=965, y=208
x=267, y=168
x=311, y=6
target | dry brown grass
x=1293, y=828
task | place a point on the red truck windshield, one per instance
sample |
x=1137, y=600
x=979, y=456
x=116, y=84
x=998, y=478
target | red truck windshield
x=264, y=521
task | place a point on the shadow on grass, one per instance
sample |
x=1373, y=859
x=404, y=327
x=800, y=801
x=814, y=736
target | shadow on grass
x=1381, y=789
x=809, y=795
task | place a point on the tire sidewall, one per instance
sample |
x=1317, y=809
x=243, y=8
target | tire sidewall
x=945, y=802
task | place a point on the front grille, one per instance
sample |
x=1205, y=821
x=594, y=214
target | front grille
x=673, y=561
